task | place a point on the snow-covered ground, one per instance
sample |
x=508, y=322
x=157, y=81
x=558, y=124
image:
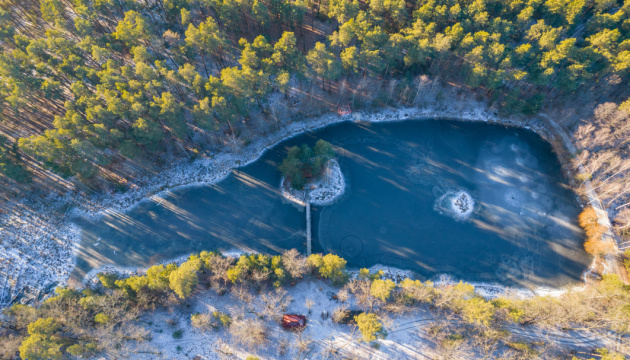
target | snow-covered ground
x=321, y=335
x=322, y=191
x=36, y=252
x=407, y=334
x=37, y=246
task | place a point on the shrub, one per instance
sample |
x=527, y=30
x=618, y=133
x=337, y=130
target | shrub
x=382, y=289
x=364, y=274
x=522, y=347
x=251, y=333
x=341, y=315
x=108, y=280
x=330, y=267
x=512, y=312
x=370, y=326
x=478, y=311
x=102, y=318
x=609, y=355
x=178, y=334
x=200, y=321
x=223, y=319
x=254, y=266
x=82, y=350
x=415, y=291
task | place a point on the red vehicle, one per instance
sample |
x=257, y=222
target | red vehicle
x=290, y=321
x=344, y=110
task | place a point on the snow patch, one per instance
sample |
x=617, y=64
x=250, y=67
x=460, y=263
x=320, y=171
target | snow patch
x=492, y=291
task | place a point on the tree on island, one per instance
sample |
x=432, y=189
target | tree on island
x=305, y=162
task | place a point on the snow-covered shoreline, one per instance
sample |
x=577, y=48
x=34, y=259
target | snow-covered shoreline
x=208, y=171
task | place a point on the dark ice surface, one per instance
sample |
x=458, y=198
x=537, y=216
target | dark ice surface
x=396, y=210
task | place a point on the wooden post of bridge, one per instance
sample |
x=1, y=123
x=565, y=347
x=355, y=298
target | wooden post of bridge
x=308, y=224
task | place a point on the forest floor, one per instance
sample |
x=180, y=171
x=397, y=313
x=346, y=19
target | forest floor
x=41, y=227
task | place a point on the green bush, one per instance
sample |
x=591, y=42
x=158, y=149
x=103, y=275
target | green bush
x=224, y=319
x=108, y=280
x=330, y=266
x=370, y=327
x=178, y=334
x=82, y=350
x=102, y=318
x=522, y=347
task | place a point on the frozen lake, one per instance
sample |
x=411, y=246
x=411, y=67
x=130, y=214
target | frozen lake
x=518, y=227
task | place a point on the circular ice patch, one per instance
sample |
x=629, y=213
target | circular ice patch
x=457, y=204
x=351, y=246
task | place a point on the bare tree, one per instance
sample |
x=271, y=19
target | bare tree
x=303, y=346
x=218, y=269
x=243, y=294
x=309, y=304
x=249, y=332
x=201, y=321
x=622, y=220
x=274, y=303
x=9, y=345
x=421, y=82
x=361, y=290
x=295, y=263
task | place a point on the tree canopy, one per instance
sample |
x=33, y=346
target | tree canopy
x=305, y=162
x=87, y=84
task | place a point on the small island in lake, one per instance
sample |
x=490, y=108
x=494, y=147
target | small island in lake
x=313, y=172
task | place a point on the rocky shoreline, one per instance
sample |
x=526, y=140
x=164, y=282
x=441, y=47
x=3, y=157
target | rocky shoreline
x=42, y=229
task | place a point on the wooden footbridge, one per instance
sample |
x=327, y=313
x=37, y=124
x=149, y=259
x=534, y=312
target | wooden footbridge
x=308, y=224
